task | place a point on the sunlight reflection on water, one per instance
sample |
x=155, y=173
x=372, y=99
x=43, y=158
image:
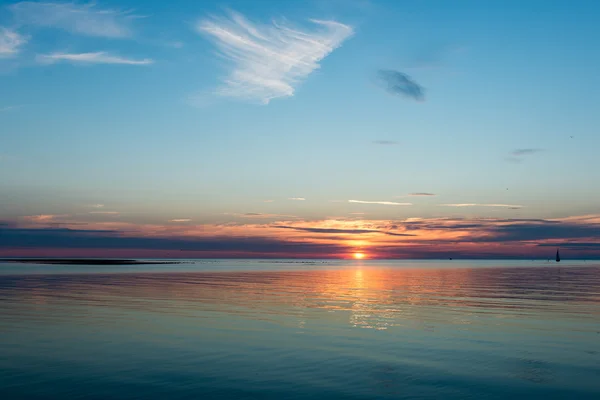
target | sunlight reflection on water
x=354, y=331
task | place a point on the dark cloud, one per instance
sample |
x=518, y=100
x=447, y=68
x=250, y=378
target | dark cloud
x=523, y=152
x=514, y=233
x=531, y=232
x=397, y=83
x=86, y=239
x=385, y=142
x=573, y=246
x=348, y=231
x=421, y=194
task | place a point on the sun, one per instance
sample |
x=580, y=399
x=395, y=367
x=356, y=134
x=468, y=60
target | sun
x=358, y=255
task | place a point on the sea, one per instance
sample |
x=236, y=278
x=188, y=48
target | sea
x=301, y=329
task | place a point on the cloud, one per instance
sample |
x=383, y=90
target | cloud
x=397, y=83
x=421, y=194
x=482, y=205
x=105, y=212
x=96, y=205
x=269, y=61
x=43, y=218
x=99, y=57
x=347, y=231
x=261, y=215
x=408, y=238
x=523, y=152
x=84, y=19
x=10, y=42
x=180, y=220
x=74, y=239
x=517, y=155
x=385, y=203
x=9, y=108
x=385, y=142
x=297, y=198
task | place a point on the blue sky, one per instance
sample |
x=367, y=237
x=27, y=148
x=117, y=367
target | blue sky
x=155, y=112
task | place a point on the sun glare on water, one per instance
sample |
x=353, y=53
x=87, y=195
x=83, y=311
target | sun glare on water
x=358, y=256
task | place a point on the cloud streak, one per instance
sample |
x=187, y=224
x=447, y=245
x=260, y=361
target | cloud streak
x=261, y=215
x=10, y=42
x=346, y=231
x=516, y=156
x=523, y=152
x=270, y=61
x=84, y=19
x=423, y=194
x=385, y=142
x=400, y=84
x=297, y=198
x=330, y=238
x=99, y=57
x=482, y=205
x=383, y=203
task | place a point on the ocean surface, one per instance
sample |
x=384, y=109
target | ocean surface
x=238, y=329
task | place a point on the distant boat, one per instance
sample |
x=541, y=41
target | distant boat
x=557, y=256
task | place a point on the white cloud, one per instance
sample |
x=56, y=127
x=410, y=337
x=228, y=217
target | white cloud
x=9, y=108
x=96, y=205
x=85, y=19
x=269, y=61
x=385, y=203
x=10, y=42
x=42, y=218
x=180, y=220
x=297, y=198
x=105, y=212
x=100, y=57
x=482, y=205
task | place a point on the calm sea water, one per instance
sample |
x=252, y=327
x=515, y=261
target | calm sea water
x=319, y=330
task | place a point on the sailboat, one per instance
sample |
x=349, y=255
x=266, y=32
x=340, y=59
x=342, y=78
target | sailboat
x=557, y=256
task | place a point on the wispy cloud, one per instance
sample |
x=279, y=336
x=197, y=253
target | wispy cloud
x=99, y=57
x=261, y=215
x=105, y=212
x=269, y=61
x=482, y=205
x=397, y=83
x=180, y=220
x=9, y=108
x=422, y=194
x=523, y=152
x=10, y=42
x=385, y=142
x=516, y=156
x=268, y=201
x=96, y=205
x=84, y=19
x=343, y=231
x=408, y=238
x=384, y=203
x=43, y=218
x=297, y=198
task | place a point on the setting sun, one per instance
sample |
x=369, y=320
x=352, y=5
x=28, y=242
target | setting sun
x=359, y=256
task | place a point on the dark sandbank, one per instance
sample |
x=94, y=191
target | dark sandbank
x=85, y=261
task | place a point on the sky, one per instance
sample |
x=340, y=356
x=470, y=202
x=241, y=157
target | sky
x=303, y=129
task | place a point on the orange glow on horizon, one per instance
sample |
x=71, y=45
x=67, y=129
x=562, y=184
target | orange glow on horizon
x=359, y=255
